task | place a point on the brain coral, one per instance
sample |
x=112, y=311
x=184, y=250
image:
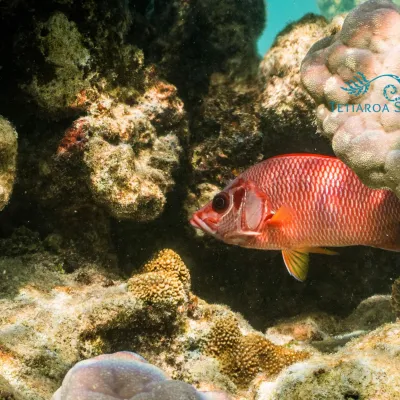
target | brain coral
x=124, y=375
x=367, y=47
x=8, y=160
x=242, y=357
x=165, y=279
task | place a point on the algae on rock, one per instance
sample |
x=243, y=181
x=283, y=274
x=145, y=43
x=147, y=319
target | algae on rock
x=8, y=160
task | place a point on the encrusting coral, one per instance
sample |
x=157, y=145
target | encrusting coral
x=242, y=357
x=350, y=76
x=8, y=160
x=131, y=152
x=366, y=368
x=125, y=375
x=165, y=279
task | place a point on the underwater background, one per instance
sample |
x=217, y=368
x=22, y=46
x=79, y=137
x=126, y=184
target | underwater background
x=118, y=120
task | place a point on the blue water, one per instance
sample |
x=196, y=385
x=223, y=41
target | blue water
x=279, y=14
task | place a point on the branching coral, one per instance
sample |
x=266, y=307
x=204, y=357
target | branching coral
x=165, y=279
x=350, y=76
x=124, y=375
x=242, y=357
x=8, y=160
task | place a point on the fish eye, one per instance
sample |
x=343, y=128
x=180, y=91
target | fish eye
x=220, y=202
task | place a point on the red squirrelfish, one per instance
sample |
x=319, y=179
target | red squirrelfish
x=299, y=203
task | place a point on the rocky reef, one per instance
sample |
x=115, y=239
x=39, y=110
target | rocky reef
x=51, y=320
x=286, y=109
x=340, y=74
x=365, y=368
x=8, y=160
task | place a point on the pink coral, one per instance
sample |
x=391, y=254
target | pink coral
x=368, y=46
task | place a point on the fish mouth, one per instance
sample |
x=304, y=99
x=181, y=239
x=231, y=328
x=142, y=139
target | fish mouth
x=198, y=223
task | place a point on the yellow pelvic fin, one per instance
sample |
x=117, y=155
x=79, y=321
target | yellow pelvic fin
x=296, y=262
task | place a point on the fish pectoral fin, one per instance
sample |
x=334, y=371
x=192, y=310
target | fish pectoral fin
x=283, y=216
x=318, y=250
x=296, y=262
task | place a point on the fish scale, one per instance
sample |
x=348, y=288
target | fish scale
x=331, y=206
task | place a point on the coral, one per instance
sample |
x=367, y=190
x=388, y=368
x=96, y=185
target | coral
x=287, y=110
x=366, y=368
x=61, y=46
x=8, y=160
x=124, y=375
x=69, y=45
x=396, y=297
x=328, y=333
x=154, y=287
x=244, y=356
x=6, y=391
x=229, y=43
x=365, y=48
x=226, y=131
x=331, y=8
x=130, y=153
x=22, y=241
x=50, y=320
x=165, y=279
x=170, y=262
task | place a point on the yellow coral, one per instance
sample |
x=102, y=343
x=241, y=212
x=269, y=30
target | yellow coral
x=156, y=287
x=170, y=262
x=165, y=279
x=243, y=357
x=224, y=336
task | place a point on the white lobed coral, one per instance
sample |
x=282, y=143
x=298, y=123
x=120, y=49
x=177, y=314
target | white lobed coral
x=361, y=58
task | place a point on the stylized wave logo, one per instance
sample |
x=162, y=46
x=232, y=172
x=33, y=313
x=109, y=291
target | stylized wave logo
x=360, y=85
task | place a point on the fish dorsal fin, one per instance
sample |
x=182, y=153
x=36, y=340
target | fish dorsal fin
x=283, y=216
x=296, y=262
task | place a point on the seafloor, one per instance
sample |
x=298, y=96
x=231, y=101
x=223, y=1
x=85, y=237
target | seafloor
x=119, y=119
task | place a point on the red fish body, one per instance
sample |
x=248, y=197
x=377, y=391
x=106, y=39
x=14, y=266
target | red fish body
x=299, y=203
